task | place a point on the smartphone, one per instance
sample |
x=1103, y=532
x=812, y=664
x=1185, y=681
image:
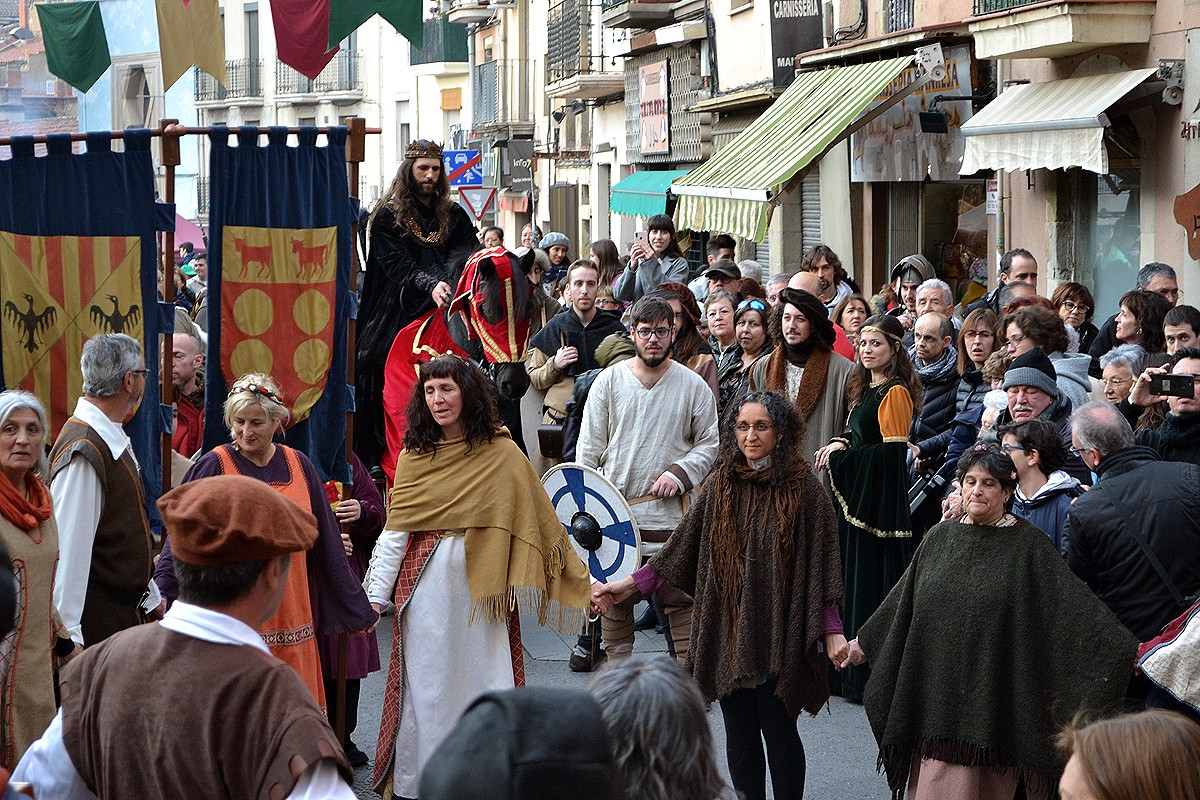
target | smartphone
x=641, y=237
x=1172, y=385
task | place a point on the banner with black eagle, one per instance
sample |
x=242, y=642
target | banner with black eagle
x=77, y=259
x=279, y=259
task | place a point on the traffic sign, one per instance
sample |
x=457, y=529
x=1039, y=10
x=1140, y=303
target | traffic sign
x=464, y=167
x=477, y=200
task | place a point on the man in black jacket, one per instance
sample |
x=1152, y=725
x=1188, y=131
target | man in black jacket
x=1178, y=438
x=936, y=359
x=1017, y=264
x=1134, y=537
x=566, y=347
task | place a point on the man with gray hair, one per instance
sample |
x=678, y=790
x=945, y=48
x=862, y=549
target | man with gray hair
x=105, y=547
x=1134, y=536
x=776, y=283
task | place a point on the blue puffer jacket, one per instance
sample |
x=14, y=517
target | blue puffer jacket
x=1048, y=507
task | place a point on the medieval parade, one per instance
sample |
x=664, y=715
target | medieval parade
x=599, y=399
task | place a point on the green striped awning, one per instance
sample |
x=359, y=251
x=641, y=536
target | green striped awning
x=644, y=193
x=735, y=190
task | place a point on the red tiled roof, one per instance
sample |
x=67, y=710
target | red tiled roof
x=32, y=127
x=22, y=51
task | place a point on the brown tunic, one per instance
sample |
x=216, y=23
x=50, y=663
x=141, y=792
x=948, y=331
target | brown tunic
x=210, y=720
x=123, y=548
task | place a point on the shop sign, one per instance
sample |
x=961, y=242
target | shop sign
x=1187, y=214
x=519, y=153
x=654, y=91
x=893, y=148
x=993, y=197
x=796, y=27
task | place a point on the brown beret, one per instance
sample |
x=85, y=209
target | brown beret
x=230, y=519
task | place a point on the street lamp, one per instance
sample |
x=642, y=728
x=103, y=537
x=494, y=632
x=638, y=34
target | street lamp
x=21, y=35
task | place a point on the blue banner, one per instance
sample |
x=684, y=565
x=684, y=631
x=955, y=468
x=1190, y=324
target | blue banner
x=78, y=258
x=279, y=260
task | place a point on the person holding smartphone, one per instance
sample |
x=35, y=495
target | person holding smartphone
x=1178, y=438
x=654, y=258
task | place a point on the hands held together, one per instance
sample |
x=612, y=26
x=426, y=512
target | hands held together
x=606, y=595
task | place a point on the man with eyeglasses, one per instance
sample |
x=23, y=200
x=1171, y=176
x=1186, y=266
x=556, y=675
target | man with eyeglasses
x=1178, y=437
x=1154, y=277
x=650, y=426
x=1033, y=393
x=102, y=584
x=1134, y=536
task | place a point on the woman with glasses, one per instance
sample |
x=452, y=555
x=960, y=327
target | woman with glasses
x=868, y=470
x=986, y=645
x=758, y=552
x=1033, y=326
x=1044, y=492
x=1075, y=306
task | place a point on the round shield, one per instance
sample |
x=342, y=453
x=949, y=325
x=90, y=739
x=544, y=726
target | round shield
x=598, y=520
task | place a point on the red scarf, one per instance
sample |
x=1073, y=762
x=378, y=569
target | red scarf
x=25, y=513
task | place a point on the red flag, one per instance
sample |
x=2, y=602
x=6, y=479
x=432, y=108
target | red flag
x=302, y=34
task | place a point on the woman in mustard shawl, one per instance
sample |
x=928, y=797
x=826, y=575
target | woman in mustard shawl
x=470, y=539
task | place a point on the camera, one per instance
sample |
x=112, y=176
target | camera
x=1172, y=385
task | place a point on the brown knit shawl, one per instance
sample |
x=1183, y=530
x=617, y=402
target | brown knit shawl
x=812, y=382
x=737, y=485
x=778, y=632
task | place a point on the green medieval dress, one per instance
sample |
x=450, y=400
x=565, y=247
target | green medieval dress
x=870, y=489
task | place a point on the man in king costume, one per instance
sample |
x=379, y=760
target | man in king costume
x=418, y=241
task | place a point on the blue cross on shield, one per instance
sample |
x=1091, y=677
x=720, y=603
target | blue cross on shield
x=597, y=519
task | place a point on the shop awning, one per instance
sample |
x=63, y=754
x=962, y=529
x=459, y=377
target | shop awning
x=1051, y=125
x=644, y=193
x=733, y=192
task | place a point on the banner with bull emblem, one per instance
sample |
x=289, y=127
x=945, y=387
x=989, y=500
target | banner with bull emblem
x=279, y=271
x=77, y=258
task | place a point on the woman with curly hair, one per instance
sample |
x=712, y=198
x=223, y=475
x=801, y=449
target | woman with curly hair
x=985, y=641
x=758, y=553
x=470, y=539
x=868, y=474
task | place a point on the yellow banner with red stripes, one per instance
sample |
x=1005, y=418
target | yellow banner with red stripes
x=55, y=293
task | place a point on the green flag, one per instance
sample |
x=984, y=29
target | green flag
x=76, y=47
x=346, y=15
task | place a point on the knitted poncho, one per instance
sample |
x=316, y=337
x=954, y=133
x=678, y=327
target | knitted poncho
x=984, y=649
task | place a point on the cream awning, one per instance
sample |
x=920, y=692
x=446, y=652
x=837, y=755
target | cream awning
x=1051, y=125
x=733, y=192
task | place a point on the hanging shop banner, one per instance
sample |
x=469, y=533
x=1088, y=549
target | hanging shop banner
x=893, y=148
x=70, y=271
x=654, y=92
x=281, y=279
x=795, y=28
x=519, y=154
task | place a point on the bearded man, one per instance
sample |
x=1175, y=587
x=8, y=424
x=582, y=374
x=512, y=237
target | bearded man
x=418, y=241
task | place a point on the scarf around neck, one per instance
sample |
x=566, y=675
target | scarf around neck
x=517, y=551
x=25, y=513
x=939, y=369
x=812, y=382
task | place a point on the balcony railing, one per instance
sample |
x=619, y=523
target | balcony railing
x=244, y=78
x=900, y=15
x=991, y=6
x=502, y=92
x=202, y=196
x=445, y=41
x=574, y=45
x=342, y=74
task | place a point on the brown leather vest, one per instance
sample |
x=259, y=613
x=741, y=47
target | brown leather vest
x=123, y=550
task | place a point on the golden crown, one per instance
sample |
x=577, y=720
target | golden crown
x=423, y=148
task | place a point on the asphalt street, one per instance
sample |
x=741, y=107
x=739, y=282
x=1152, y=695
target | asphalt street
x=840, y=749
